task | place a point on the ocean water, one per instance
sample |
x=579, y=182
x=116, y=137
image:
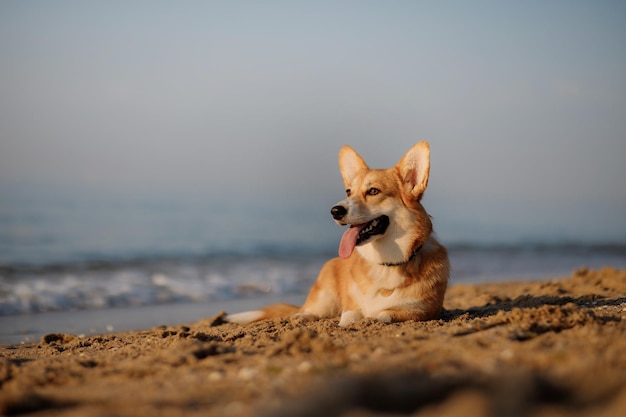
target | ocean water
x=64, y=251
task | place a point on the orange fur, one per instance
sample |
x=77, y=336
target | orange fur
x=398, y=275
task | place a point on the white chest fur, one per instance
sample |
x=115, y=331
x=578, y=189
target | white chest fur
x=383, y=293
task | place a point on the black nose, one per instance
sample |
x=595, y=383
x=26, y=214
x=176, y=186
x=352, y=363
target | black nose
x=338, y=212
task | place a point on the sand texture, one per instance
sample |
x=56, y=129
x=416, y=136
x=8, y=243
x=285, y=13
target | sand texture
x=550, y=348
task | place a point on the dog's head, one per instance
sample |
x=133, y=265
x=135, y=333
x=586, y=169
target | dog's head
x=382, y=206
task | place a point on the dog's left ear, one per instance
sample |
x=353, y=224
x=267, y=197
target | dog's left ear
x=414, y=168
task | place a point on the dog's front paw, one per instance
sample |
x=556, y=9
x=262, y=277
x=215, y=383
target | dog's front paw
x=349, y=317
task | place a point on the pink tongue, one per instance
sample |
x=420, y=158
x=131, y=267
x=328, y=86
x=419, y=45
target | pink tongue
x=348, y=242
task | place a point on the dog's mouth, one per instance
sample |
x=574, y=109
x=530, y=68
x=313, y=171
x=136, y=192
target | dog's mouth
x=361, y=233
x=378, y=226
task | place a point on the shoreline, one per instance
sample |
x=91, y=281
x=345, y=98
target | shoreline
x=539, y=348
x=30, y=328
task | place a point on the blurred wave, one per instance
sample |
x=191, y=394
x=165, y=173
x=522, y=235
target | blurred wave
x=148, y=281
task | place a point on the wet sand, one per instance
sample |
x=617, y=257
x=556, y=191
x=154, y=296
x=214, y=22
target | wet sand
x=548, y=348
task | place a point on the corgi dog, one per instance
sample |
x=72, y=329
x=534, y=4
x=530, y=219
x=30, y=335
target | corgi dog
x=390, y=267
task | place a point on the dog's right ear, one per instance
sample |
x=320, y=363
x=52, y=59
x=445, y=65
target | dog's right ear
x=350, y=164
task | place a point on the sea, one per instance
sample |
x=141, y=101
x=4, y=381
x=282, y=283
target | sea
x=98, y=261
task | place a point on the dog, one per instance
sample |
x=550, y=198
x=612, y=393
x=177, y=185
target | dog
x=390, y=267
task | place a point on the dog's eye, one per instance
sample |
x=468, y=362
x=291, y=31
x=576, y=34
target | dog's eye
x=348, y=192
x=373, y=191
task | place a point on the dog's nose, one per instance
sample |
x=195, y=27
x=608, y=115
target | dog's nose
x=338, y=212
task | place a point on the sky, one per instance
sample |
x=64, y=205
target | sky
x=523, y=103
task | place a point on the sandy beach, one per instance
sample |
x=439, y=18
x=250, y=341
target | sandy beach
x=550, y=348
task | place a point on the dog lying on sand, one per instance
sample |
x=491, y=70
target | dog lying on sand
x=390, y=266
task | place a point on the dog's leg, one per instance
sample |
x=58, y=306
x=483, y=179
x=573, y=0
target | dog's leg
x=307, y=316
x=394, y=316
x=322, y=301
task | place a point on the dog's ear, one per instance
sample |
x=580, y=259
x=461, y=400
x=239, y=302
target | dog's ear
x=350, y=164
x=414, y=168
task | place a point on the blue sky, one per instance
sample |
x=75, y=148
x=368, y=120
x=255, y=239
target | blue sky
x=524, y=103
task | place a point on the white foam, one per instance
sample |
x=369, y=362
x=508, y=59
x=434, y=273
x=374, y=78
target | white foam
x=149, y=283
